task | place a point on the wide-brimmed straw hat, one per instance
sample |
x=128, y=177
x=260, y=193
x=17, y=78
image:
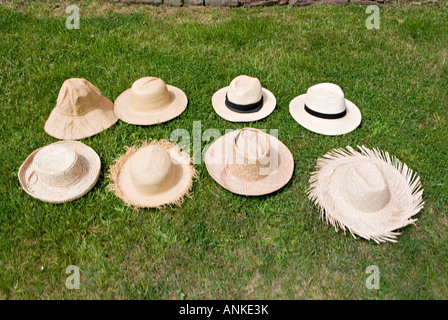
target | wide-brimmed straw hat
x=324, y=109
x=60, y=172
x=243, y=100
x=249, y=162
x=81, y=111
x=150, y=101
x=155, y=174
x=369, y=192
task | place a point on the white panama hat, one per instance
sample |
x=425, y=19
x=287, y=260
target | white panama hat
x=154, y=175
x=81, y=111
x=60, y=172
x=243, y=100
x=324, y=109
x=150, y=101
x=249, y=162
x=369, y=192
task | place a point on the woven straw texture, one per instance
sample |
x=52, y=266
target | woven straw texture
x=369, y=193
x=123, y=185
x=254, y=174
x=81, y=111
x=60, y=172
x=218, y=102
x=123, y=108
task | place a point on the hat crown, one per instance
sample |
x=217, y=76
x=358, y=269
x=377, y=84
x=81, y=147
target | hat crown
x=365, y=187
x=326, y=98
x=250, y=155
x=244, y=90
x=77, y=96
x=57, y=166
x=149, y=93
x=152, y=170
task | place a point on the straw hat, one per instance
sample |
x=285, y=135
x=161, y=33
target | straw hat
x=150, y=101
x=369, y=193
x=153, y=175
x=81, y=111
x=249, y=162
x=323, y=109
x=60, y=172
x=243, y=100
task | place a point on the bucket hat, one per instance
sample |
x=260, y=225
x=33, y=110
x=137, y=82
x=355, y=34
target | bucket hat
x=249, y=162
x=369, y=193
x=60, y=172
x=324, y=109
x=243, y=100
x=81, y=111
x=150, y=101
x=152, y=175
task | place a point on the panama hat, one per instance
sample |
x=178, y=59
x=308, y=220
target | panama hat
x=150, y=101
x=243, y=100
x=369, y=192
x=81, y=111
x=324, y=109
x=249, y=162
x=153, y=175
x=60, y=172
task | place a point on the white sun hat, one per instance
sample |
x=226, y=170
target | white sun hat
x=60, y=172
x=369, y=192
x=150, y=101
x=324, y=109
x=154, y=175
x=243, y=100
x=81, y=111
x=249, y=162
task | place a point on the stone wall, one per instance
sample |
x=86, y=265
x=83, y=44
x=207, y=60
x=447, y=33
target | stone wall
x=246, y=3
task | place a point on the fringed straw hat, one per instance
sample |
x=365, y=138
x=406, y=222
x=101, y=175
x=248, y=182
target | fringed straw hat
x=150, y=101
x=154, y=175
x=243, y=100
x=324, y=109
x=369, y=193
x=249, y=162
x=60, y=172
x=81, y=111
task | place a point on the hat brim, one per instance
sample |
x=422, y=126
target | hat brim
x=218, y=102
x=404, y=187
x=63, y=126
x=91, y=166
x=178, y=103
x=215, y=159
x=122, y=186
x=331, y=127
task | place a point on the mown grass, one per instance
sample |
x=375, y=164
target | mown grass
x=219, y=245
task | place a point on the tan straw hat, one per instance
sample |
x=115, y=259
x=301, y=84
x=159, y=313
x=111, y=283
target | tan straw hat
x=249, y=162
x=60, y=172
x=153, y=175
x=81, y=111
x=243, y=100
x=324, y=109
x=369, y=192
x=150, y=101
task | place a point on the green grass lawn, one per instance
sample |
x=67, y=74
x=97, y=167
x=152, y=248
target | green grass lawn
x=220, y=245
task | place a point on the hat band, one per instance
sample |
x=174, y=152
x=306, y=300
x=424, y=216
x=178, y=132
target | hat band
x=325, y=115
x=244, y=108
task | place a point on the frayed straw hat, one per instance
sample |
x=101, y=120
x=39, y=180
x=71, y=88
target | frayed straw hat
x=154, y=175
x=150, y=101
x=60, y=172
x=81, y=111
x=243, y=100
x=324, y=109
x=249, y=162
x=369, y=193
